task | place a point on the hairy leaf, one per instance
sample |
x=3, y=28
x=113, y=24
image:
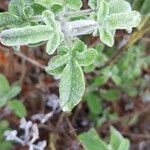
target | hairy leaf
x=106, y=37
x=56, y=62
x=53, y=43
x=74, y=4
x=103, y=11
x=8, y=20
x=118, y=6
x=123, y=20
x=26, y=35
x=18, y=107
x=87, y=57
x=79, y=46
x=72, y=86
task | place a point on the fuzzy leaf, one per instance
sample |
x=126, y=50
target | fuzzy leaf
x=91, y=141
x=79, y=46
x=118, y=6
x=8, y=20
x=123, y=20
x=103, y=11
x=74, y=4
x=87, y=57
x=92, y=4
x=4, y=84
x=18, y=107
x=56, y=62
x=53, y=43
x=115, y=138
x=106, y=37
x=49, y=3
x=72, y=86
x=125, y=145
x=17, y=8
x=26, y=35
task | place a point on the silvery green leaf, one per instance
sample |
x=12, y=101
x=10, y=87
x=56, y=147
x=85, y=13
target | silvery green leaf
x=17, y=8
x=49, y=3
x=26, y=35
x=79, y=46
x=53, y=43
x=4, y=84
x=124, y=145
x=115, y=138
x=49, y=18
x=92, y=4
x=91, y=141
x=29, y=11
x=123, y=20
x=74, y=4
x=29, y=2
x=56, y=62
x=72, y=86
x=87, y=57
x=8, y=20
x=18, y=107
x=37, y=44
x=62, y=50
x=118, y=6
x=106, y=37
x=103, y=11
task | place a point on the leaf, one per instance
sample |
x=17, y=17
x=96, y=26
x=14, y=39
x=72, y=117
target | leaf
x=49, y=3
x=79, y=46
x=26, y=35
x=99, y=80
x=125, y=145
x=145, y=10
x=92, y=4
x=87, y=57
x=123, y=20
x=8, y=20
x=74, y=4
x=115, y=139
x=18, y=107
x=106, y=37
x=94, y=103
x=137, y=4
x=103, y=11
x=72, y=86
x=91, y=141
x=53, y=43
x=118, y=6
x=4, y=84
x=111, y=94
x=55, y=63
x=17, y=8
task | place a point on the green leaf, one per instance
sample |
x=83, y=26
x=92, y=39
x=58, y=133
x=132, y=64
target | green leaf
x=92, y=4
x=79, y=46
x=50, y=3
x=8, y=20
x=103, y=11
x=53, y=43
x=91, y=141
x=56, y=63
x=137, y=4
x=115, y=139
x=145, y=10
x=106, y=37
x=4, y=84
x=94, y=103
x=18, y=107
x=100, y=80
x=72, y=86
x=111, y=94
x=74, y=4
x=125, y=145
x=123, y=20
x=26, y=35
x=87, y=57
x=17, y=8
x=118, y=6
